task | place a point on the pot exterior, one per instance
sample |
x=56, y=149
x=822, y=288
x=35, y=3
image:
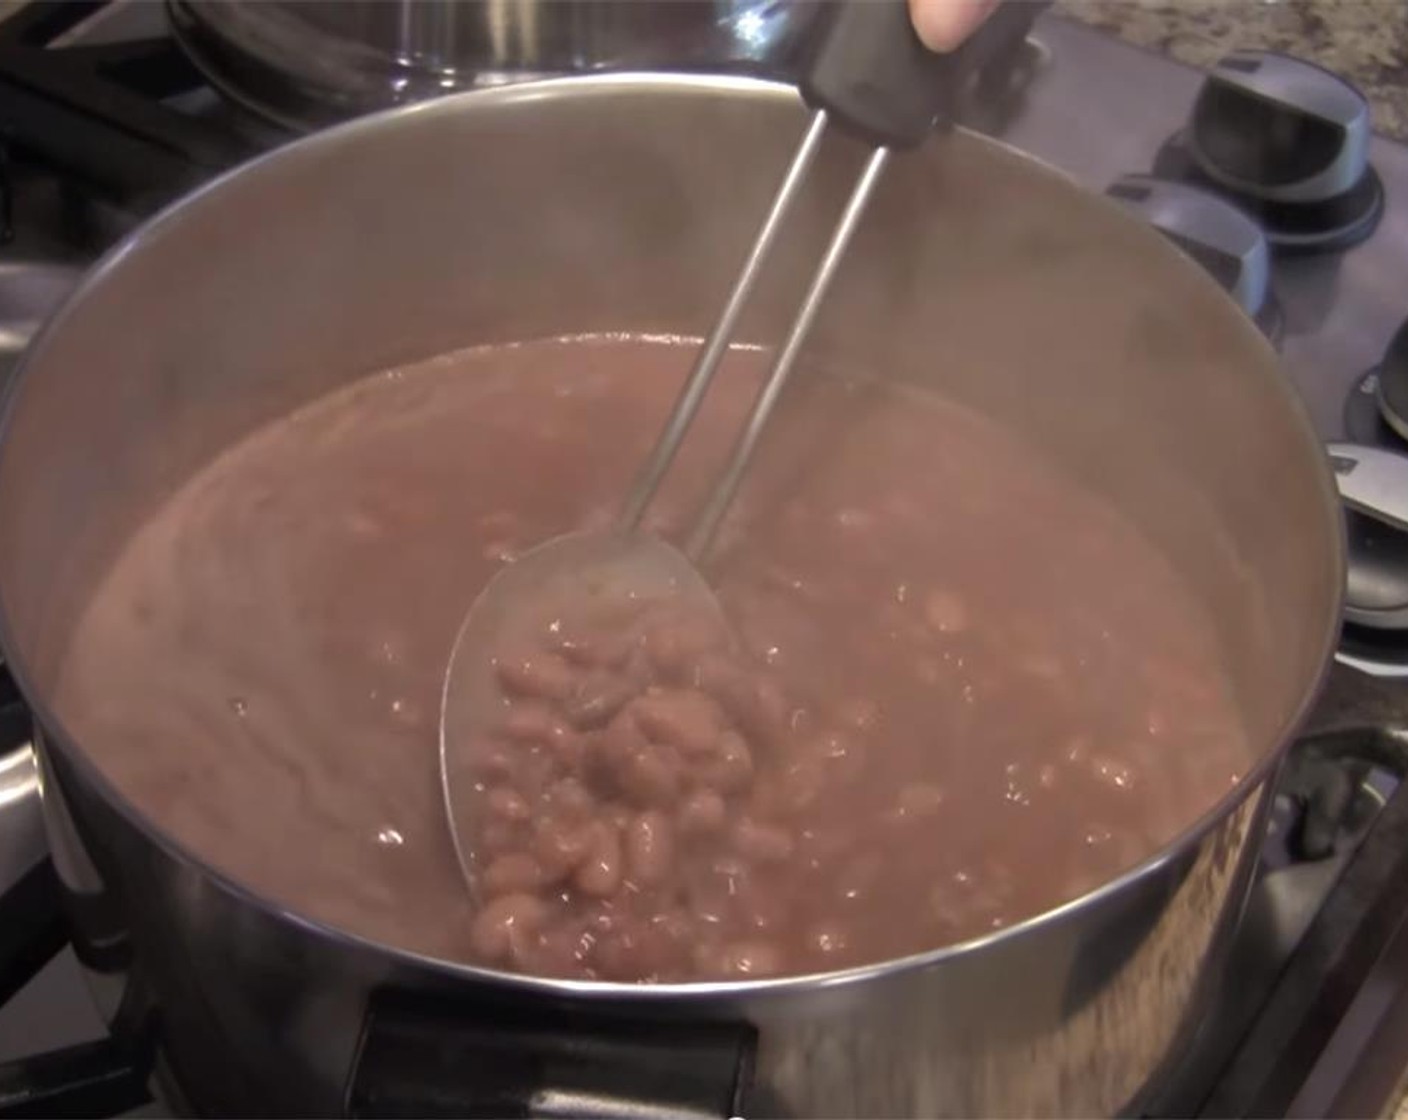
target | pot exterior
x=261, y=1015
x=564, y=208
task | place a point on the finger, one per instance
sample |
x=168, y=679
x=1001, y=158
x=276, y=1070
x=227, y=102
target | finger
x=943, y=25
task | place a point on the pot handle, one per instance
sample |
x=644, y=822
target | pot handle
x=32, y=930
x=104, y=1078
x=418, y=1058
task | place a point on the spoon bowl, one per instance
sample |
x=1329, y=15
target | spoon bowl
x=566, y=575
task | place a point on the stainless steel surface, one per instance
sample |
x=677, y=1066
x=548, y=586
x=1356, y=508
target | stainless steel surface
x=1373, y=484
x=1372, y=480
x=29, y=291
x=1209, y=228
x=716, y=345
x=1111, y=376
x=1099, y=110
x=1391, y=417
x=722, y=493
x=305, y=63
x=22, y=844
x=1392, y=384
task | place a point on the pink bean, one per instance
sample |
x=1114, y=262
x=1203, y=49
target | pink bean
x=645, y=773
x=703, y=813
x=508, y=804
x=568, y=797
x=539, y=675
x=493, y=761
x=675, y=644
x=731, y=767
x=683, y=718
x=496, y=837
x=598, y=698
x=649, y=848
x=587, y=649
x=650, y=776
x=762, y=843
x=512, y=873
x=600, y=874
x=503, y=923
x=533, y=723
x=638, y=949
x=756, y=704
x=562, y=848
x=802, y=783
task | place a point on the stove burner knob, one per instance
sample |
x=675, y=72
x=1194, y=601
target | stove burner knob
x=1209, y=229
x=1393, y=383
x=1280, y=129
x=1373, y=485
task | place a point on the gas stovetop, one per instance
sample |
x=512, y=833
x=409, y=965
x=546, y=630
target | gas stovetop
x=1312, y=1017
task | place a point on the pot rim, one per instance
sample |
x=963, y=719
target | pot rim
x=53, y=735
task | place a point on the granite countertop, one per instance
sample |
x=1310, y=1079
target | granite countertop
x=1365, y=41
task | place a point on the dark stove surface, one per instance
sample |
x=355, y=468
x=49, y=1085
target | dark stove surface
x=97, y=91
x=102, y=121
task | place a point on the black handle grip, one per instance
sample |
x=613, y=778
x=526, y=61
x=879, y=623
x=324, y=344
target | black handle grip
x=866, y=67
x=421, y=1057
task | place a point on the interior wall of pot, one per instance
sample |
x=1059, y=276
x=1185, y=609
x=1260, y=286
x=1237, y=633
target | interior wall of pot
x=622, y=205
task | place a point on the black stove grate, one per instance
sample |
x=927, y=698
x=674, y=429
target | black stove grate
x=110, y=114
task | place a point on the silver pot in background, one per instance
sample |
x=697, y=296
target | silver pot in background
x=306, y=63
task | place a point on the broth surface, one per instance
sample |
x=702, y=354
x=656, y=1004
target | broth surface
x=991, y=692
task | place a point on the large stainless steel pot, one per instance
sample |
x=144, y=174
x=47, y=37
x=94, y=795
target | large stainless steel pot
x=626, y=203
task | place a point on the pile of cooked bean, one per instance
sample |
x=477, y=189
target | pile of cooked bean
x=644, y=804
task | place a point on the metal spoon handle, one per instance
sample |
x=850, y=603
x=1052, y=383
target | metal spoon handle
x=724, y=489
x=706, y=364
x=866, y=69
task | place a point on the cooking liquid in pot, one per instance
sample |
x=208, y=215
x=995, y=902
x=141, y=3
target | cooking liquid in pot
x=964, y=691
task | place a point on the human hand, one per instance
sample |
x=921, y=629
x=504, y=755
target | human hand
x=943, y=25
